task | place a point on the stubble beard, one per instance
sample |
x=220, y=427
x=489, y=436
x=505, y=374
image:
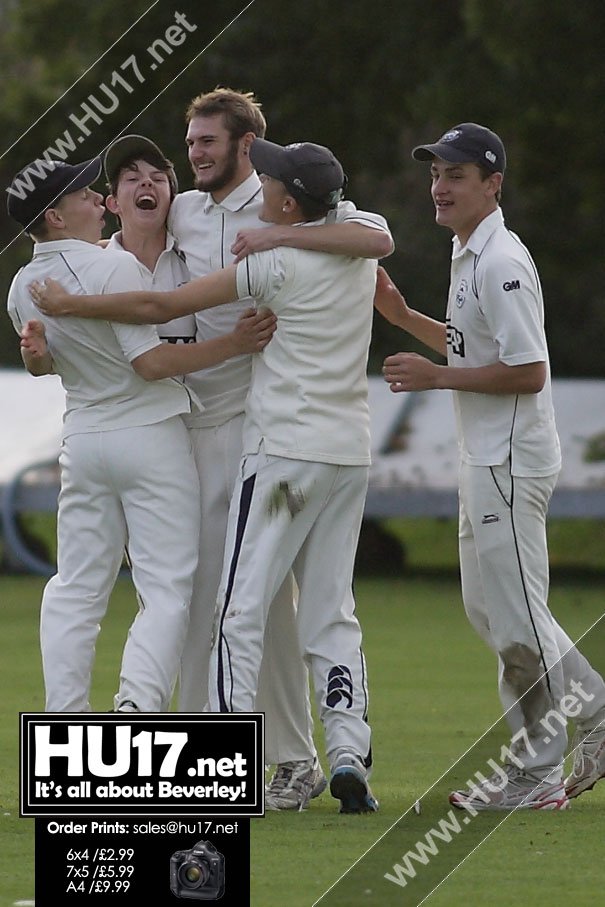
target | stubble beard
x=224, y=177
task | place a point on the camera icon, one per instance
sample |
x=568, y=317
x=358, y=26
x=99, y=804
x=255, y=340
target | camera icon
x=198, y=873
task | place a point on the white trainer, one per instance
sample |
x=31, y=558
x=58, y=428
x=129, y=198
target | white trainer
x=588, y=748
x=510, y=789
x=349, y=784
x=294, y=784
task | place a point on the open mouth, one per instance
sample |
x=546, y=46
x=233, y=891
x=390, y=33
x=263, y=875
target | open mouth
x=146, y=203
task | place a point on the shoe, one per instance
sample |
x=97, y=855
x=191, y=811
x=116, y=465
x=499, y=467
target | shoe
x=509, y=789
x=349, y=784
x=294, y=784
x=589, y=761
x=127, y=706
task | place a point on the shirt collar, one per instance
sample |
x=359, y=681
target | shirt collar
x=238, y=198
x=480, y=234
x=115, y=242
x=64, y=245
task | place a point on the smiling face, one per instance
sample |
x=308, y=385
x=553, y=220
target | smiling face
x=219, y=161
x=142, y=197
x=462, y=197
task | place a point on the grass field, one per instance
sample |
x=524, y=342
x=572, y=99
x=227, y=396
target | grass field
x=433, y=693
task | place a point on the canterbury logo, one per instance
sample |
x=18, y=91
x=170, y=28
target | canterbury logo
x=340, y=687
x=509, y=285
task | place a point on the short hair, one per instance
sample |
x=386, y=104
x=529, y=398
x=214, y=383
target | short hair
x=38, y=229
x=241, y=111
x=150, y=157
x=485, y=173
x=311, y=208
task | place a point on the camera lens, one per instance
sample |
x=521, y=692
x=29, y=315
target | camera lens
x=193, y=874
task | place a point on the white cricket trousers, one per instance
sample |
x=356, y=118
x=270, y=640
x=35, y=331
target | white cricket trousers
x=135, y=488
x=505, y=578
x=283, y=687
x=305, y=516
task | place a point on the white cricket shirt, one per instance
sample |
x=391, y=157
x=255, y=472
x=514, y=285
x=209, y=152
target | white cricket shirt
x=309, y=394
x=495, y=312
x=205, y=231
x=93, y=357
x=170, y=272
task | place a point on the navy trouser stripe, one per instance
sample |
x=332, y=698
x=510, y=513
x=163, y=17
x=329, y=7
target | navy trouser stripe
x=223, y=647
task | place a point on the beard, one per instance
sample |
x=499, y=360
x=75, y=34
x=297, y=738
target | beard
x=224, y=175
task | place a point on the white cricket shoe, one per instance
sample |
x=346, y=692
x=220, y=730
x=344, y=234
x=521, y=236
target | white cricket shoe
x=588, y=748
x=349, y=784
x=510, y=789
x=294, y=784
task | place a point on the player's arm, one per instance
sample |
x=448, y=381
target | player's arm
x=392, y=306
x=411, y=372
x=251, y=334
x=139, y=306
x=352, y=239
x=36, y=356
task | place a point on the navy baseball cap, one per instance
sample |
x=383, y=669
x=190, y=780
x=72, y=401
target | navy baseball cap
x=128, y=148
x=41, y=184
x=306, y=168
x=466, y=143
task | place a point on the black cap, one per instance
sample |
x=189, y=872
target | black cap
x=303, y=167
x=41, y=184
x=466, y=143
x=128, y=148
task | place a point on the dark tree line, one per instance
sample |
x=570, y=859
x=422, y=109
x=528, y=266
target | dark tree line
x=369, y=79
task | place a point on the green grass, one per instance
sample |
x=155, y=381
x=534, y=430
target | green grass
x=432, y=694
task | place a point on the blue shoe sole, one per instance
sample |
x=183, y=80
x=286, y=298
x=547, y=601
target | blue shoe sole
x=350, y=787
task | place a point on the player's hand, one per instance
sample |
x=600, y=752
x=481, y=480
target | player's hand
x=258, y=239
x=389, y=301
x=410, y=372
x=254, y=330
x=33, y=339
x=50, y=297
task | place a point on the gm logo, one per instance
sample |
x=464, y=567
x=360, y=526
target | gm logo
x=511, y=285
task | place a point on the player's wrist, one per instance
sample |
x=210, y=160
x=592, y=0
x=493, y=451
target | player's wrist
x=235, y=344
x=68, y=305
x=441, y=378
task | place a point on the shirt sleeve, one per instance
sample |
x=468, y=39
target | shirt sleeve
x=511, y=301
x=173, y=212
x=262, y=275
x=13, y=310
x=346, y=212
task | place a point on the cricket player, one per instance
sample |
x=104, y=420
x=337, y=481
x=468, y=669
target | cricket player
x=127, y=475
x=498, y=368
x=301, y=486
x=142, y=186
x=216, y=223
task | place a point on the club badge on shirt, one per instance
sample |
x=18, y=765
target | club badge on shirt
x=461, y=293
